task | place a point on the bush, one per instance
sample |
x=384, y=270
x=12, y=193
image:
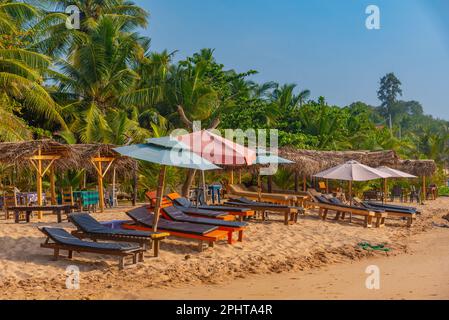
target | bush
x=443, y=191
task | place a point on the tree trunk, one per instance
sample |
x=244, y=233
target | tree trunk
x=188, y=182
x=270, y=184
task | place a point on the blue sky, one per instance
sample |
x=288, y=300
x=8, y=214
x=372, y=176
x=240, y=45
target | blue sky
x=321, y=45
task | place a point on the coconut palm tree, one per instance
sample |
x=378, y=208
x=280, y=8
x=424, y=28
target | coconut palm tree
x=22, y=71
x=93, y=78
x=56, y=39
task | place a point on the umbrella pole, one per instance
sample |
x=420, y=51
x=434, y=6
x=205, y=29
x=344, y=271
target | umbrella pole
x=350, y=200
x=204, y=187
x=384, y=198
x=259, y=187
x=160, y=191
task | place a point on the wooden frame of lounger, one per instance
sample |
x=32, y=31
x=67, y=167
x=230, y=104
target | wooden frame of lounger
x=144, y=242
x=136, y=254
x=410, y=216
x=239, y=214
x=282, y=199
x=290, y=214
x=167, y=202
x=210, y=237
x=342, y=211
x=230, y=230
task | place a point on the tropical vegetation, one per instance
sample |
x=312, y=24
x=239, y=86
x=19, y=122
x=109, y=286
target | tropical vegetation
x=103, y=83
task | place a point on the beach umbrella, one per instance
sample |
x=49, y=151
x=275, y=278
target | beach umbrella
x=218, y=150
x=352, y=171
x=394, y=173
x=165, y=151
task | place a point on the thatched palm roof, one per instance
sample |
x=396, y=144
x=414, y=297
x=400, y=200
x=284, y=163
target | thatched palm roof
x=310, y=162
x=124, y=165
x=18, y=153
x=417, y=167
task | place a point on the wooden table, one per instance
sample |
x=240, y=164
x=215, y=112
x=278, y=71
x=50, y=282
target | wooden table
x=57, y=210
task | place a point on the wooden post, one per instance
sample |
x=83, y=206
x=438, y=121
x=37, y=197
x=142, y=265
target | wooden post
x=270, y=184
x=159, y=194
x=304, y=187
x=100, y=185
x=113, y=204
x=259, y=187
x=98, y=164
x=385, y=197
x=52, y=185
x=204, y=186
x=350, y=192
x=240, y=176
x=350, y=199
x=39, y=181
x=296, y=182
x=327, y=186
x=232, y=176
x=424, y=188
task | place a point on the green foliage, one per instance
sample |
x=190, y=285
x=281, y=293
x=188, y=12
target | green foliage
x=108, y=86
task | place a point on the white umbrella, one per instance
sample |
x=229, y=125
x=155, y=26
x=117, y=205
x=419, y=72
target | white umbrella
x=394, y=174
x=352, y=171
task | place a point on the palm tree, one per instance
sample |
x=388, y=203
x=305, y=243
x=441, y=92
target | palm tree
x=55, y=38
x=22, y=71
x=303, y=96
x=92, y=80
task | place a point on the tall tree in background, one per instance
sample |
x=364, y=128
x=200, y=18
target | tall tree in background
x=389, y=91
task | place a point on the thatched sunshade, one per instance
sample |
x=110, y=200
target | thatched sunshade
x=310, y=162
x=103, y=159
x=420, y=168
x=44, y=156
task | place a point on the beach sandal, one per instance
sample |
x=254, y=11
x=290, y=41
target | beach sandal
x=368, y=246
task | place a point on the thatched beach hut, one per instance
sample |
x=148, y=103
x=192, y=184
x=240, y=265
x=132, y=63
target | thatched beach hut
x=44, y=156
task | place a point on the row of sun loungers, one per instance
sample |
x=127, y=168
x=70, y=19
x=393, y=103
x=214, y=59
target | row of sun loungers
x=206, y=224
x=370, y=211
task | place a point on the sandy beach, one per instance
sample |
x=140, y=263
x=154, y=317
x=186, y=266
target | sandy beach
x=321, y=256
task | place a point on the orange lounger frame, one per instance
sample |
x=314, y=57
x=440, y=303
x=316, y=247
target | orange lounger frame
x=230, y=230
x=210, y=237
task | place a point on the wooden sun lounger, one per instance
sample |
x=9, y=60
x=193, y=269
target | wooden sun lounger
x=192, y=211
x=290, y=213
x=89, y=228
x=282, y=199
x=184, y=204
x=409, y=216
x=57, y=210
x=174, y=214
x=325, y=206
x=143, y=220
x=59, y=239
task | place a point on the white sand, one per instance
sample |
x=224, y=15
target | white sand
x=27, y=271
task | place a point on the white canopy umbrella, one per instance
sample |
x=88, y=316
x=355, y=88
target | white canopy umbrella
x=394, y=174
x=352, y=171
